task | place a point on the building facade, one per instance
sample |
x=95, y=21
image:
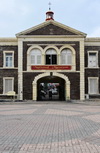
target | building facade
x=50, y=56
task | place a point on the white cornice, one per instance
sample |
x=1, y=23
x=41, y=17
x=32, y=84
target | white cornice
x=8, y=41
x=92, y=39
x=50, y=36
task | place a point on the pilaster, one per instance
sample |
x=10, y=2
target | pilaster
x=20, y=69
x=82, y=83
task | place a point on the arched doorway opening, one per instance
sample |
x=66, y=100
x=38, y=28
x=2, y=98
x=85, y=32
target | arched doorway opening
x=39, y=78
x=51, y=88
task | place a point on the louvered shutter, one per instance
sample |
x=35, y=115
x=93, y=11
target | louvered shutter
x=8, y=85
x=38, y=59
x=69, y=58
x=63, y=58
x=92, y=61
x=33, y=59
x=93, y=86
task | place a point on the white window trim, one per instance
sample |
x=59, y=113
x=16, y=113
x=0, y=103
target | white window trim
x=4, y=62
x=89, y=78
x=94, y=51
x=28, y=56
x=4, y=83
x=73, y=56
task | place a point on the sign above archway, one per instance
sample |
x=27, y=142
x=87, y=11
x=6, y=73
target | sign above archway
x=51, y=67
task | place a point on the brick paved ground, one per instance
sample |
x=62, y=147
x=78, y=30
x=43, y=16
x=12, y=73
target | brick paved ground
x=50, y=128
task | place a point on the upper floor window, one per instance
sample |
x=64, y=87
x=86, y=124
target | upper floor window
x=8, y=59
x=51, y=57
x=66, y=57
x=93, y=59
x=35, y=57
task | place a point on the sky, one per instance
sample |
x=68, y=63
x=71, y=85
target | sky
x=19, y=15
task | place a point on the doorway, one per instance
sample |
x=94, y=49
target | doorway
x=51, y=88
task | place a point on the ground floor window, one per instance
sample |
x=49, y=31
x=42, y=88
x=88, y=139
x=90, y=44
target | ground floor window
x=93, y=85
x=8, y=85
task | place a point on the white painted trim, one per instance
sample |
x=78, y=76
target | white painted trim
x=50, y=38
x=28, y=55
x=50, y=46
x=20, y=69
x=73, y=56
x=5, y=78
x=4, y=61
x=82, y=73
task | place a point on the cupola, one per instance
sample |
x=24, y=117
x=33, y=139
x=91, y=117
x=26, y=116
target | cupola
x=49, y=14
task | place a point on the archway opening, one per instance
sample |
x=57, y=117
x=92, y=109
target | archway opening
x=51, y=88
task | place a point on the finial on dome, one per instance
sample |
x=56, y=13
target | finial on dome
x=49, y=6
x=49, y=14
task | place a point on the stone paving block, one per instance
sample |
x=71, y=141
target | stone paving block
x=50, y=128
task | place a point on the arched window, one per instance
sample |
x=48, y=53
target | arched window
x=51, y=57
x=35, y=57
x=66, y=57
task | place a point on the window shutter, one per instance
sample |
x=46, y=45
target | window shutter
x=8, y=85
x=69, y=58
x=92, y=60
x=38, y=59
x=33, y=59
x=63, y=58
x=93, y=86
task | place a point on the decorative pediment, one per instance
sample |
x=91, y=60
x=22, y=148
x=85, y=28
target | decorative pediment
x=50, y=28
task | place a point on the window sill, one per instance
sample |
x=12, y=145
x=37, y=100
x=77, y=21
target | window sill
x=9, y=67
x=91, y=67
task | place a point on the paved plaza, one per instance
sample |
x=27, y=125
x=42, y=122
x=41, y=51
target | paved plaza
x=57, y=127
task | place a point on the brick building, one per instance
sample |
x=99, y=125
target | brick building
x=50, y=56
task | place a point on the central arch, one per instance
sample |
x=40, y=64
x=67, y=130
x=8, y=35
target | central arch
x=59, y=76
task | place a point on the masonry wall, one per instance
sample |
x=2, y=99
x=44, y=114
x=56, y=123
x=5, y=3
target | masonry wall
x=28, y=78
x=91, y=72
x=5, y=72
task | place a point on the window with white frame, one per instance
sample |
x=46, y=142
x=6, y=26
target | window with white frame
x=35, y=57
x=51, y=57
x=92, y=59
x=8, y=59
x=93, y=85
x=66, y=57
x=8, y=85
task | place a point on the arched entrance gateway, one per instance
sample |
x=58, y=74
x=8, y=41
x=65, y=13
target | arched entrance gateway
x=51, y=86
